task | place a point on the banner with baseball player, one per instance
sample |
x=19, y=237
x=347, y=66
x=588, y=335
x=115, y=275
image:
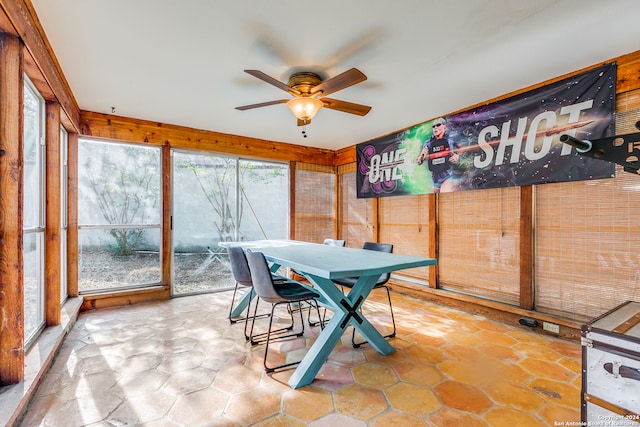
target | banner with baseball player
x=512, y=142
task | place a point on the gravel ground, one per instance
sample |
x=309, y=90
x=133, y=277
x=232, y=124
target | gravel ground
x=99, y=270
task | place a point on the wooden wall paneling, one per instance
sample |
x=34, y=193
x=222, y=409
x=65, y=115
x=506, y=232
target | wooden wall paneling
x=11, y=214
x=292, y=200
x=433, y=239
x=336, y=204
x=527, y=249
x=52, y=267
x=166, y=230
x=25, y=21
x=339, y=208
x=37, y=78
x=5, y=24
x=345, y=156
x=112, y=299
x=375, y=220
x=628, y=76
x=72, y=215
x=124, y=129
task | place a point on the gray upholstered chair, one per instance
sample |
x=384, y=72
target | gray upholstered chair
x=284, y=293
x=242, y=277
x=349, y=282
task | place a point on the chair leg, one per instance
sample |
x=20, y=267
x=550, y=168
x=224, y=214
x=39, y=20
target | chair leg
x=233, y=299
x=249, y=335
x=246, y=317
x=269, y=331
x=321, y=319
x=253, y=320
x=300, y=307
x=260, y=338
x=393, y=319
x=354, y=344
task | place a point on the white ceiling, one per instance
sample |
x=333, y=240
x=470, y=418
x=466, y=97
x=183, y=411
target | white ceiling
x=182, y=62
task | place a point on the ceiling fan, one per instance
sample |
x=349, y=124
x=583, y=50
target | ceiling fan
x=309, y=91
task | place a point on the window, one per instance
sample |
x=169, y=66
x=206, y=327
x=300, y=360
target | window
x=315, y=202
x=34, y=214
x=355, y=216
x=404, y=222
x=264, y=195
x=587, y=246
x=205, y=211
x=588, y=241
x=63, y=212
x=118, y=216
x=479, y=243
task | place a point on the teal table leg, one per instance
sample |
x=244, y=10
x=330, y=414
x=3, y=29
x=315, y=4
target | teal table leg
x=242, y=304
x=318, y=353
x=363, y=286
x=346, y=311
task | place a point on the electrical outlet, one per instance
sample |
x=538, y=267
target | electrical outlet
x=551, y=327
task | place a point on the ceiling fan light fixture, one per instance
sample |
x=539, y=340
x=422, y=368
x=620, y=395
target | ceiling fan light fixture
x=305, y=108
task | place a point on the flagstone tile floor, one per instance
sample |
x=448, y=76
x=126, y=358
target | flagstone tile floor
x=180, y=363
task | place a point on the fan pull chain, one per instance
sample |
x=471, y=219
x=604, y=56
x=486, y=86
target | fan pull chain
x=304, y=129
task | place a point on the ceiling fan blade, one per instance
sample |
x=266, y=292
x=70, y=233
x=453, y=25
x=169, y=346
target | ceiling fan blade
x=346, y=107
x=274, y=82
x=339, y=82
x=262, y=104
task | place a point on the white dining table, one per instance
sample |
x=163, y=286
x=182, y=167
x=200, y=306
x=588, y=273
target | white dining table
x=320, y=264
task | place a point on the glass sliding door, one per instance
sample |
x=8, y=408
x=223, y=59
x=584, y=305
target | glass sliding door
x=264, y=191
x=118, y=216
x=218, y=198
x=204, y=213
x=34, y=212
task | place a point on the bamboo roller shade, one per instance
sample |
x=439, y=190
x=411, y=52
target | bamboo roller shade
x=314, y=202
x=355, y=216
x=587, y=237
x=588, y=242
x=404, y=222
x=478, y=239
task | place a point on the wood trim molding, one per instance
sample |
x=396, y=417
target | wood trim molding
x=433, y=239
x=22, y=16
x=112, y=299
x=72, y=215
x=167, y=222
x=501, y=312
x=11, y=213
x=53, y=215
x=106, y=126
x=345, y=156
x=292, y=200
x=527, y=249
